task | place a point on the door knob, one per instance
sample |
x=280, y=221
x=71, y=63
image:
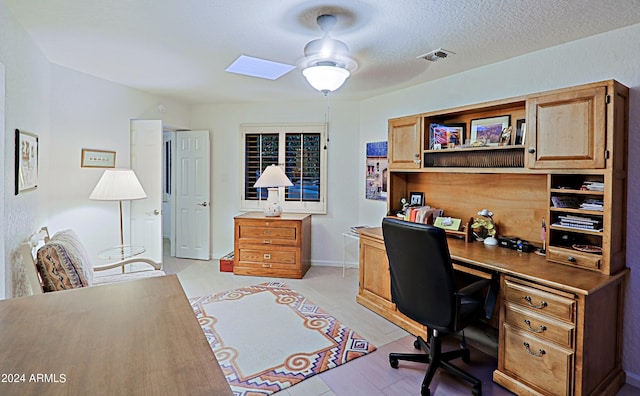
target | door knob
x=203, y=203
x=155, y=212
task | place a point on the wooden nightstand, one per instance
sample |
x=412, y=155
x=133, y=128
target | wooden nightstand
x=272, y=246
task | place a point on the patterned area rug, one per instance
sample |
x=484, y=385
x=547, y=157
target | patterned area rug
x=268, y=337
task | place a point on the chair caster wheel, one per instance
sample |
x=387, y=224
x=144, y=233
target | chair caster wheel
x=425, y=392
x=393, y=362
x=416, y=344
x=476, y=392
x=466, y=357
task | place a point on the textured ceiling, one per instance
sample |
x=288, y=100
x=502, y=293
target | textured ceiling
x=180, y=48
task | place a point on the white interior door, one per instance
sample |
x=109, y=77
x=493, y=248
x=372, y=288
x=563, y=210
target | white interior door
x=192, y=194
x=146, y=162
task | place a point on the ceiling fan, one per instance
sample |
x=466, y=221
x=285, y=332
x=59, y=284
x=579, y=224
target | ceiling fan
x=326, y=63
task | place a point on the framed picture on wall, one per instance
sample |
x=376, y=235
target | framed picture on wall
x=376, y=162
x=98, y=159
x=26, y=160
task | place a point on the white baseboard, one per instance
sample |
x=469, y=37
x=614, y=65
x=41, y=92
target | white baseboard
x=348, y=264
x=633, y=379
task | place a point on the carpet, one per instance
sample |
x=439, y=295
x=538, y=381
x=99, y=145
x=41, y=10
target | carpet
x=268, y=337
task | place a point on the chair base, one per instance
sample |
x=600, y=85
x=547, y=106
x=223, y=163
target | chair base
x=435, y=358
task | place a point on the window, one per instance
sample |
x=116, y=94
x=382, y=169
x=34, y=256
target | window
x=300, y=151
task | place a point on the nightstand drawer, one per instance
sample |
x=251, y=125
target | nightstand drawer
x=283, y=234
x=540, y=301
x=272, y=258
x=542, y=326
x=540, y=364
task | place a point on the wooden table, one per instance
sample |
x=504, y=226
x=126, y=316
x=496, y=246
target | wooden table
x=131, y=338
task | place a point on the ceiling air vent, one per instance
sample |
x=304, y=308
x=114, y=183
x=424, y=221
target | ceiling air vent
x=436, y=55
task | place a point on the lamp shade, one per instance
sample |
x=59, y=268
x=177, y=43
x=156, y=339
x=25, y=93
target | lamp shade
x=273, y=176
x=326, y=78
x=118, y=184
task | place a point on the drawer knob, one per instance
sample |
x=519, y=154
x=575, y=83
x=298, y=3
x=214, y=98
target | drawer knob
x=540, y=351
x=541, y=328
x=571, y=259
x=542, y=303
x=267, y=241
x=266, y=265
x=266, y=232
x=267, y=256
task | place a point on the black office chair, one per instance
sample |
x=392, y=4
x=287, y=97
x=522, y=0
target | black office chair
x=423, y=287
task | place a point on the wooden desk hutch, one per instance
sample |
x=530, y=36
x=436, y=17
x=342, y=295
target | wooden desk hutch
x=559, y=316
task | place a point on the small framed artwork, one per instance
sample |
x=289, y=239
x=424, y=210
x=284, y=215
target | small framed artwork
x=416, y=199
x=26, y=152
x=521, y=130
x=488, y=131
x=98, y=159
x=446, y=135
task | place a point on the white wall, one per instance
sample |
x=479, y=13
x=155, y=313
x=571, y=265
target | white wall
x=88, y=112
x=26, y=108
x=68, y=111
x=613, y=55
x=223, y=122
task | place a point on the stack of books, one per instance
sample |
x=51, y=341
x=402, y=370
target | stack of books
x=562, y=201
x=422, y=214
x=592, y=204
x=583, y=223
x=593, y=186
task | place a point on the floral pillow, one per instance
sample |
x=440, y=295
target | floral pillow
x=63, y=263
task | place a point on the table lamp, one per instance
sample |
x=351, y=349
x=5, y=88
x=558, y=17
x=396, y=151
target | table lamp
x=273, y=177
x=118, y=184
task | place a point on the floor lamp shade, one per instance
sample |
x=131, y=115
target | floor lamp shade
x=118, y=184
x=272, y=178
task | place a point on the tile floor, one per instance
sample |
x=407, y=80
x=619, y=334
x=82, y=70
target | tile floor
x=369, y=375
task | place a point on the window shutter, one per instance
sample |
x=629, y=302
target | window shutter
x=261, y=150
x=302, y=166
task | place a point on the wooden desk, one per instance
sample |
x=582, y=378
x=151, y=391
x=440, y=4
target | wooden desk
x=582, y=316
x=131, y=338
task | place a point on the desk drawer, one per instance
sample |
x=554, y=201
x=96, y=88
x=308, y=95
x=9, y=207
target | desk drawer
x=575, y=258
x=267, y=258
x=543, y=326
x=543, y=365
x=540, y=301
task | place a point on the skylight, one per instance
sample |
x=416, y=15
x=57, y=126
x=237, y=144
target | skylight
x=256, y=67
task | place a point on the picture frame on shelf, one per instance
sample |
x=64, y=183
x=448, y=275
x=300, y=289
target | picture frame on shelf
x=446, y=135
x=506, y=137
x=488, y=130
x=416, y=199
x=521, y=130
x=26, y=161
x=98, y=159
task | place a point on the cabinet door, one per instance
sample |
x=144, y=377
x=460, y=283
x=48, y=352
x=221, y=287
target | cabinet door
x=405, y=138
x=567, y=129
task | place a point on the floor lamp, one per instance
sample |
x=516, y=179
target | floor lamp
x=118, y=184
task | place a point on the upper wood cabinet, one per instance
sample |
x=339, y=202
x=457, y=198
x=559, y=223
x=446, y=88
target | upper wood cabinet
x=405, y=138
x=567, y=129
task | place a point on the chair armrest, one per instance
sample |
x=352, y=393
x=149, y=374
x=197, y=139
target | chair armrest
x=473, y=288
x=132, y=260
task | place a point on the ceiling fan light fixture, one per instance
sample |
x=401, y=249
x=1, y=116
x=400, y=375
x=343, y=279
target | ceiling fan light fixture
x=326, y=78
